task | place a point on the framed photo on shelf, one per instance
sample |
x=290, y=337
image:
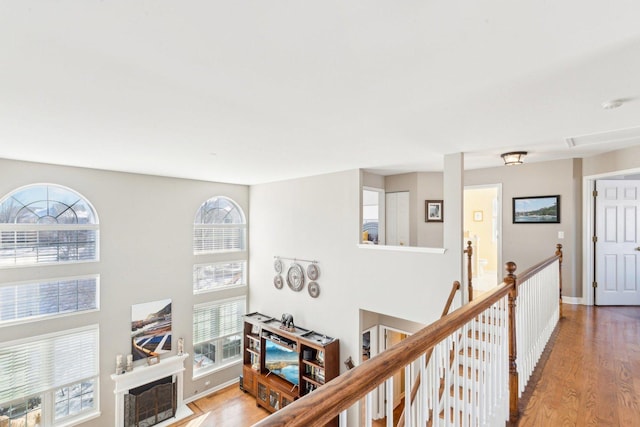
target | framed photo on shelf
x=153, y=360
x=536, y=210
x=433, y=210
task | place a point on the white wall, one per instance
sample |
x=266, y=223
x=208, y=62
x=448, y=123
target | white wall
x=527, y=244
x=146, y=225
x=316, y=218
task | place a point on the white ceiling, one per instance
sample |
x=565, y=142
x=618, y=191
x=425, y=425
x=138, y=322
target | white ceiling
x=257, y=91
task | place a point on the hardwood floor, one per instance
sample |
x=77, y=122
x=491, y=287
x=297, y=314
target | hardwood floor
x=229, y=407
x=589, y=377
x=592, y=374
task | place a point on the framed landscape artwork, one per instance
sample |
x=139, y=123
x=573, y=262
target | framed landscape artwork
x=536, y=210
x=150, y=329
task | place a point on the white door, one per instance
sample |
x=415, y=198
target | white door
x=618, y=242
x=397, y=218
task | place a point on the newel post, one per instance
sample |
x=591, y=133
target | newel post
x=469, y=252
x=559, y=255
x=513, y=368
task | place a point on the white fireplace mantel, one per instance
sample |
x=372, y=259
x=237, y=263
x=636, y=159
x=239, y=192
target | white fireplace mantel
x=141, y=375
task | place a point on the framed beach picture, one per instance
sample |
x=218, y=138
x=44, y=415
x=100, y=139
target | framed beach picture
x=536, y=210
x=150, y=329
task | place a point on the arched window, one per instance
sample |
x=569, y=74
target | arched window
x=46, y=223
x=219, y=226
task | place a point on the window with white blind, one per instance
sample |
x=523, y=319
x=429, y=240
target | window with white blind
x=46, y=369
x=217, y=334
x=46, y=223
x=21, y=302
x=219, y=226
x=221, y=275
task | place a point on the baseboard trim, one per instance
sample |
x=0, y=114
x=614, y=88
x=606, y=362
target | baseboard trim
x=211, y=390
x=573, y=300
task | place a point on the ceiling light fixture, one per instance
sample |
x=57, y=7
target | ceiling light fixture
x=513, y=158
x=610, y=105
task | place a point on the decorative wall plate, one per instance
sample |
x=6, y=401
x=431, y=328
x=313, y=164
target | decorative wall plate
x=295, y=277
x=278, y=281
x=277, y=266
x=314, y=289
x=313, y=272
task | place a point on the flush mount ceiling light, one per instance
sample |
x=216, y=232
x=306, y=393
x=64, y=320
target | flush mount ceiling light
x=610, y=105
x=513, y=158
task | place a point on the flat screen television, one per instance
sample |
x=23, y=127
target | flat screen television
x=282, y=361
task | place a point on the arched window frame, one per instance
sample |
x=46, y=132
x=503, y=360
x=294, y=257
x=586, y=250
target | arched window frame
x=30, y=243
x=215, y=233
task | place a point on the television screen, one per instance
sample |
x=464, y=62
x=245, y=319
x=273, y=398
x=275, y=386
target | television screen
x=282, y=361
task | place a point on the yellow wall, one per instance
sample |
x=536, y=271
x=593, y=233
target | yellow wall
x=481, y=200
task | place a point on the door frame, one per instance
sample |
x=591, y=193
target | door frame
x=498, y=187
x=382, y=341
x=588, y=227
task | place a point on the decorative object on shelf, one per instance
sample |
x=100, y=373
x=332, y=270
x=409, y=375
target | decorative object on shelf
x=278, y=281
x=313, y=272
x=536, y=210
x=119, y=364
x=129, y=362
x=433, y=210
x=180, y=346
x=349, y=363
x=277, y=265
x=153, y=360
x=314, y=289
x=295, y=277
x=286, y=322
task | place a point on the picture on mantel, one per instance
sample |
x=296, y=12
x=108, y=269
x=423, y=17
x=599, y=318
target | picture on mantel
x=150, y=329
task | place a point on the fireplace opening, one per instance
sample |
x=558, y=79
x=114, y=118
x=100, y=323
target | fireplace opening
x=150, y=404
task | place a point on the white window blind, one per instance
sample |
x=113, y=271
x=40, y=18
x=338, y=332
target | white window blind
x=208, y=277
x=217, y=319
x=37, y=300
x=217, y=334
x=219, y=226
x=46, y=223
x=49, y=362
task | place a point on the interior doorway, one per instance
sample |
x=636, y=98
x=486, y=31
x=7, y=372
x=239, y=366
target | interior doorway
x=617, y=247
x=590, y=251
x=483, y=227
x=392, y=337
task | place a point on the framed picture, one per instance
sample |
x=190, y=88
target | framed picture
x=150, y=329
x=477, y=216
x=433, y=210
x=536, y=210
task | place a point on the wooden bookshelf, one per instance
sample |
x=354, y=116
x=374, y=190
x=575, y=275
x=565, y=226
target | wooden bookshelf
x=318, y=361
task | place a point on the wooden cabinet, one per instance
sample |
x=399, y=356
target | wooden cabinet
x=274, y=393
x=311, y=361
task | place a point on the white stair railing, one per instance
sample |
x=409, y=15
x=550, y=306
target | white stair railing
x=467, y=380
x=537, y=315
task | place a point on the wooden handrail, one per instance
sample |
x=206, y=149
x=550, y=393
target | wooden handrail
x=325, y=403
x=339, y=394
x=469, y=252
x=454, y=288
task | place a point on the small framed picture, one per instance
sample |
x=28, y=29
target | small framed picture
x=477, y=216
x=153, y=360
x=433, y=210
